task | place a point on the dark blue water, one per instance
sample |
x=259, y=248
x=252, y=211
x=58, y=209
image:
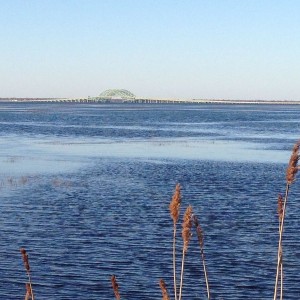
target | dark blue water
x=85, y=189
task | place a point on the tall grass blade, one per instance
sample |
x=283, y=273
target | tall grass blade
x=186, y=236
x=115, y=287
x=29, y=289
x=163, y=287
x=175, y=211
x=291, y=172
x=201, y=244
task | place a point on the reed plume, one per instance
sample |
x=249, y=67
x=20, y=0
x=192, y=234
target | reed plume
x=163, y=287
x=29, y=290
x=280, y=208
x=291, y=172
x=115, y=287
x=293, y=168
x=175, y=211
x=201, y=243
x=186, y=236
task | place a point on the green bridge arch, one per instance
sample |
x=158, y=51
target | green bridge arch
x=117, y=94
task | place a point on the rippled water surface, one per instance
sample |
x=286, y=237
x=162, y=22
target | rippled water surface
x=85, y=188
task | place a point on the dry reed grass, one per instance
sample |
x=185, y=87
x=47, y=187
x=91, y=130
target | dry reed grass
x=293, y=168
x=29, y=290
x=28, y=294
x=186, y=236
x=13, y=182
x=280, y=216
x=175, y=204
x=200, y=236
x=163, y=287
x=115, y=287
x=291, y=172
x=175, y=212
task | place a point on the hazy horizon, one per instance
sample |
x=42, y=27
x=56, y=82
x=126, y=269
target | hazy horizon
x=227, y=49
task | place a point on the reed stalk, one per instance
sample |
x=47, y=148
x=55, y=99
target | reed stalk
x=29, y=289
x=291, y=172
x=280, y=214
x=201, y=244
x=279, y=254
x=186, y=236
x=281, y=278
x=115, y=287
x=163, y=287
x=175, y=211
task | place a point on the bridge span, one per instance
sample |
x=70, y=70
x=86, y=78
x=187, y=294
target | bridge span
x=149, y=100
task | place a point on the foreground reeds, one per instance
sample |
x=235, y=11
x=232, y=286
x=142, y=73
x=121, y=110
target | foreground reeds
x=201, y=244
x=291, y=172
x=115, y=287
x=28, y=285
x=186, y=236
x=175, y=211
x=280, y=215
x=165, y=295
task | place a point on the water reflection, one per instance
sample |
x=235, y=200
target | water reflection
x=48, y=155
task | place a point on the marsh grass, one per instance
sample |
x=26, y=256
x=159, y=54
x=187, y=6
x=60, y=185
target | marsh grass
x=115, y=287
x=186, y=236
x=13, y=182
x=190, y=221
x=163, y=287
x=291, y=172
x=280, y=216
x=175, y=212
x=200, y=237
x=28, y=285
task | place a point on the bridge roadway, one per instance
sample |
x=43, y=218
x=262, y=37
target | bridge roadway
x=150, y=100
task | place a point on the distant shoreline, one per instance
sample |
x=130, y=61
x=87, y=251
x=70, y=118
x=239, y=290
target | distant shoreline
x=151, y=101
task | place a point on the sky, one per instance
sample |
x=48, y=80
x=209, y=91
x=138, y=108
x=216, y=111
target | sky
x=203, y=49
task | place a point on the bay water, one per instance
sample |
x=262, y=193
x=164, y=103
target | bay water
x=85, y=189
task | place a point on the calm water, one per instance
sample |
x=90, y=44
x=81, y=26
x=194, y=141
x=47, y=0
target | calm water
x=85, y=189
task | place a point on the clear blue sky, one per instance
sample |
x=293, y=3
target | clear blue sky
x=231, y=49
